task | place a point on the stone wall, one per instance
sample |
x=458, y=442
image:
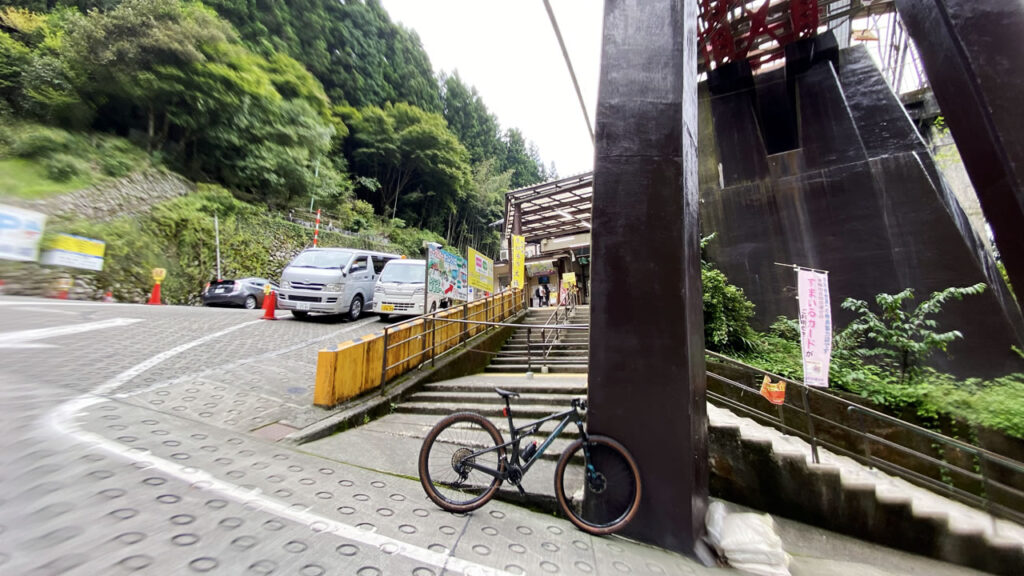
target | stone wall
x=134, y=194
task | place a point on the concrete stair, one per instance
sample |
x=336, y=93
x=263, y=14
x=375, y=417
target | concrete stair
x=569, y=353
x=749, y=464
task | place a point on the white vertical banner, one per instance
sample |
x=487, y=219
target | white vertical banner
x=815, y=326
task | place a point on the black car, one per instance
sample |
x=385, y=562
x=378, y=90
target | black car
x=247, y=292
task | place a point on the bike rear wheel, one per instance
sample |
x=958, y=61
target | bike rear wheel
x=442, y=465
x=608, y=498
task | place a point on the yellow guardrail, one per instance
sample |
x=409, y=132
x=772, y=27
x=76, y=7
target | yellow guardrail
x=373, y=360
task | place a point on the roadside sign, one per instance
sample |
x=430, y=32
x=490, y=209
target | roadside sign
x=159, y=274
x=75, y=252
x=20, y=232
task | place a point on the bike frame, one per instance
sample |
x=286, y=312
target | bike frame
x=521, y=432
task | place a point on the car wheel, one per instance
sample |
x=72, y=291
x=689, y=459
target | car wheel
x=355, y=309
x=250, y=302
x=300, y=314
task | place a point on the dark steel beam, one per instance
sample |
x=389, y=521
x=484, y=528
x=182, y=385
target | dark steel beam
x=972, y=56
x=646, y=377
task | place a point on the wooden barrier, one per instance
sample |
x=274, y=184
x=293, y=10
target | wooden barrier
x=368, y=362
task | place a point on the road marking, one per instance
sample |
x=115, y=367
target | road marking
x=24, y=338
x=62, y=419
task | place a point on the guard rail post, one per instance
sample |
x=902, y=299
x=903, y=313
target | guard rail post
x=384, y=360
x=529, y=352
x=433, y=337
x=810, y=425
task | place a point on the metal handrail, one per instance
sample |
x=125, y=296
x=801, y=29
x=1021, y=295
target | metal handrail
x=981, y=455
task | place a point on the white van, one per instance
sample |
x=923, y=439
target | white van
x=401, y=289
x=331, y=281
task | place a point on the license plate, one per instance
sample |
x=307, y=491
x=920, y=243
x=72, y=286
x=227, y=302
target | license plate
x=220, y=291
x=303, y=305
x=387, y=307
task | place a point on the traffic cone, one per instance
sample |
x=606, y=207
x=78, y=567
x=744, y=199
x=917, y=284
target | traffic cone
x=269, y=306
x=108, y=296
x=154, y=296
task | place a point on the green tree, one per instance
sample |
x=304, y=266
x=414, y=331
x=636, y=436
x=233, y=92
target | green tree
x=413, y=156
x=897, y=338
x=517, y=157
x=469, y=119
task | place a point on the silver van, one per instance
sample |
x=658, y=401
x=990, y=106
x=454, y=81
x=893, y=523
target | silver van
x=331, y=281
x=401, y=289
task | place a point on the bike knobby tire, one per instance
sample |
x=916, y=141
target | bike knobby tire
x=443, y=474
x=609, y=499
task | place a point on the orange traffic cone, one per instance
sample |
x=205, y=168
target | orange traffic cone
x=269, y=306
x=108, y=296
x=154, y=296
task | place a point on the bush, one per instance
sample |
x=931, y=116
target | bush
x=41, y=142
x=727, y=313
x=64, y=167
x=116, y=166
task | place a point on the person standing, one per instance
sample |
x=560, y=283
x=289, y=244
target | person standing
x=547, y=295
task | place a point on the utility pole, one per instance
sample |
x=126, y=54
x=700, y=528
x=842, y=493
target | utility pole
x=216, y=232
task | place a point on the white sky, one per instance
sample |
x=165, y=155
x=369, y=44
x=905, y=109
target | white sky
x=508, y=51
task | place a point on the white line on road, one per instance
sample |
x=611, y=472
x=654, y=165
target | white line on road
x=23, y=338
x=62, y=418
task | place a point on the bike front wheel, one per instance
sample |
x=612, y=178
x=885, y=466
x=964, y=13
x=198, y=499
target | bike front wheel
x=599, y=493
x=449, y=448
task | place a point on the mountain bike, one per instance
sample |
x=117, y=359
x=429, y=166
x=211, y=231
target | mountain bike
x=464, y=460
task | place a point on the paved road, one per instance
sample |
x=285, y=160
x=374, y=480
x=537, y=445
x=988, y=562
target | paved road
x=140, y=439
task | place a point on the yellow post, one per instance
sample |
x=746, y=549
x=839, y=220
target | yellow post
x=323, y=393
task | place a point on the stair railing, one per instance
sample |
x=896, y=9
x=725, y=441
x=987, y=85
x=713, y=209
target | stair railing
x=961, y=471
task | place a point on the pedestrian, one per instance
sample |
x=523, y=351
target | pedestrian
x=547, y=295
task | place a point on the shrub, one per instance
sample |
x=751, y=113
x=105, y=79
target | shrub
x=727, y=313
x=41, y=142
x=64, y=167
x=896, y=338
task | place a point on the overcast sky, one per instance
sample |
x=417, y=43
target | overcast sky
x=508, y=51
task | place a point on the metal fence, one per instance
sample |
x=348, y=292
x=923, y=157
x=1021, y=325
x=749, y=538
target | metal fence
x=957, y=469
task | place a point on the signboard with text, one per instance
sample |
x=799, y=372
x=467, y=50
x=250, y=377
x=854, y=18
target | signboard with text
x=75, y=252
x=20, y=232
x=518, y=261
x=815, y=326
x=481, y=272
x=447, y=279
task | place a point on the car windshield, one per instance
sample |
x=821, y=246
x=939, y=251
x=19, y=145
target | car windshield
x=322, y=259
x=403, y=273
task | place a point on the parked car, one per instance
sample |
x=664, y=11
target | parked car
x=401, y=289
x=247, y=292
x=331, y=281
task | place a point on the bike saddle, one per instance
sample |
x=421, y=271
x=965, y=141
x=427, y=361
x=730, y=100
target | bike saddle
x=506, y=394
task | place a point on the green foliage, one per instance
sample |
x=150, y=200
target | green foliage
x=178, y=235
x=896, y=338
x=49, y=160
x=64, y=167
x=727, y=313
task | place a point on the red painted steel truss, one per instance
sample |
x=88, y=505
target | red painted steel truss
x=754, y=30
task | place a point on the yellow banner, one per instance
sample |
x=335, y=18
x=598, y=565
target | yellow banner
x=518, y=261
x=481, y=271
x=78, y=245
x=569, y=278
